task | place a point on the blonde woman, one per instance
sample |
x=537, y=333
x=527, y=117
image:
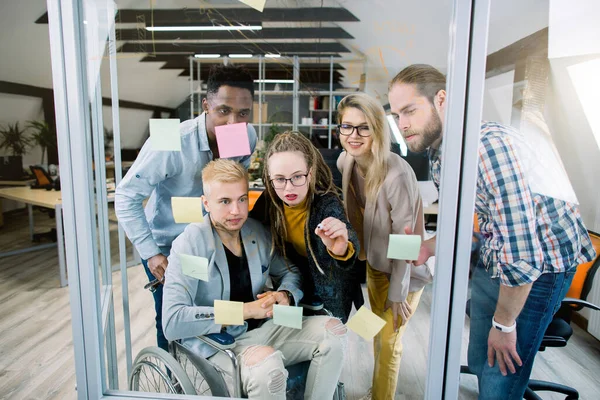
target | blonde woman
x=381, y=196
x=308, y=223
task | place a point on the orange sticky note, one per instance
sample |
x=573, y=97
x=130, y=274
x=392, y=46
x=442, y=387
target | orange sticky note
x=256, y=4
x=365, y=323
x=232, y=140
x=229, y=312
x=187, y=209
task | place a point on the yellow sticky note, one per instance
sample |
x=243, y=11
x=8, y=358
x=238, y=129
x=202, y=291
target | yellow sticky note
x=365, y=323
x=256, y=4
x=287, y=316
x=194, y=266
x=164, y=135
x=187, y=209
x=404, y=247
x=229, y=312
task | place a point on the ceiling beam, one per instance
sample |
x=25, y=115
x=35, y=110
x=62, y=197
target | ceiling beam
x=265, y=33
x=229, y=48
x=230, y=15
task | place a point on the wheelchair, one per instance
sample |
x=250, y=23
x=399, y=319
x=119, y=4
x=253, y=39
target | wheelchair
x=179, y=371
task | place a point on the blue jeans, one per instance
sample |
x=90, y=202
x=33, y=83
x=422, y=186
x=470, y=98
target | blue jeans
x=161, y=341
x=542, y=303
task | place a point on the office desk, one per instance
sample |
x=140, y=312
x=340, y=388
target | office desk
x=431, y=209
x=12, y=183
x=47, y=199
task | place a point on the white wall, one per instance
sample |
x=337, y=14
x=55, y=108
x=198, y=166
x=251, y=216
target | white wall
x=497, y=101
x=133, y=126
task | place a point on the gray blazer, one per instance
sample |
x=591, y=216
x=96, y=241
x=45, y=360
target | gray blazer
x=188, y=302
x=398, y=204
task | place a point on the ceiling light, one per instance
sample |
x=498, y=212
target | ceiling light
x=207, y=55
x=274, y=80
x=273, y=55
x=205, y=28
x=240, y=56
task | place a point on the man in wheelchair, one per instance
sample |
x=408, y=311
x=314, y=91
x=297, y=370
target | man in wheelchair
x=239, y=257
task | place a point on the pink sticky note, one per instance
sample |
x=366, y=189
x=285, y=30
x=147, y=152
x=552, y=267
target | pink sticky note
x=232, y=140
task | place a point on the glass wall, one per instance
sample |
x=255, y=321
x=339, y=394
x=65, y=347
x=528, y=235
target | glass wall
x=501, y=62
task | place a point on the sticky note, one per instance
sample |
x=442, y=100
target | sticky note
x=194, y=266
x=287, y=316
x=229, y=312
x=164, y=135
x=256, y=4
x=232, y=140
x=365, y=323
x=187, y=209
x=404, y=247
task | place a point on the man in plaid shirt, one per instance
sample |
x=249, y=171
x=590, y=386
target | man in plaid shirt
x=532, y=242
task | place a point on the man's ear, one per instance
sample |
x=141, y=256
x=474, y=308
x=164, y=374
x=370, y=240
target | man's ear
x=205, y=203
x=440, y=101
x=205, y=104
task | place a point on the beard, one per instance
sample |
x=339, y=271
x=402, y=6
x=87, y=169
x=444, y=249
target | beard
x=428, y=134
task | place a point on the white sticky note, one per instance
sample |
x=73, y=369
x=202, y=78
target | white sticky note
x=164, y=135
x=194, y=266
x=229, y=312
x=365, y=323
x=256, y=4
x=287, y=316
x=187, y=209
x=404, y=247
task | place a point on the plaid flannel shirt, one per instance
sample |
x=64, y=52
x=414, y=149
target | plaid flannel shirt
x=525, y=234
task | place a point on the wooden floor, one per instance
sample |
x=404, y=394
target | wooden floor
x=36, y=351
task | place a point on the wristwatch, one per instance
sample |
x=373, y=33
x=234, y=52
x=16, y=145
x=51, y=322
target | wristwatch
x=504, y=328
x=289, y=295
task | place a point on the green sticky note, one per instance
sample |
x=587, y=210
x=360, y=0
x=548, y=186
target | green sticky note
x=164, y=135
x=404, y=247
x=194, y=266
x=287, y=316
x=229, y=312
x=365, y=323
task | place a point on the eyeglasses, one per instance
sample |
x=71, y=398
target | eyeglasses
x=296, y=180
x=348, y=130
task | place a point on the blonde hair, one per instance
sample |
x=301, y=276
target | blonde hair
x=223, y=170
x=380, y=133
x=321, y=181
x=427, y=80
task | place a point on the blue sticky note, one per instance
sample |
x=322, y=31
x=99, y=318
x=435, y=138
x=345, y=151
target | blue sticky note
x=404, y=247
x=287, y=316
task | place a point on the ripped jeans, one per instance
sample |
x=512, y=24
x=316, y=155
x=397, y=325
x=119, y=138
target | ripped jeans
x=263, y=354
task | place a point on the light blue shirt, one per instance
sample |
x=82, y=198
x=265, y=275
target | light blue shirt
x=162, y=175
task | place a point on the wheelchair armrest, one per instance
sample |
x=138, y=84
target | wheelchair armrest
x=219, y=341
x=579, y=302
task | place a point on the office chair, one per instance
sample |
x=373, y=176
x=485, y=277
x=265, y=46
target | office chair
x=560, y=331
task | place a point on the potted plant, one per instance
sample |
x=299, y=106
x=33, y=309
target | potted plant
x=42, y=136
x=15, y=140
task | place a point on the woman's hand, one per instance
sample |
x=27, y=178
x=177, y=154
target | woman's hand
x=334, y=235
x=271, y=298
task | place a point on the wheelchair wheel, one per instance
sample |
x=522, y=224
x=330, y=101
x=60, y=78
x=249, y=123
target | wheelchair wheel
x=205, y=378
x=156, y=371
